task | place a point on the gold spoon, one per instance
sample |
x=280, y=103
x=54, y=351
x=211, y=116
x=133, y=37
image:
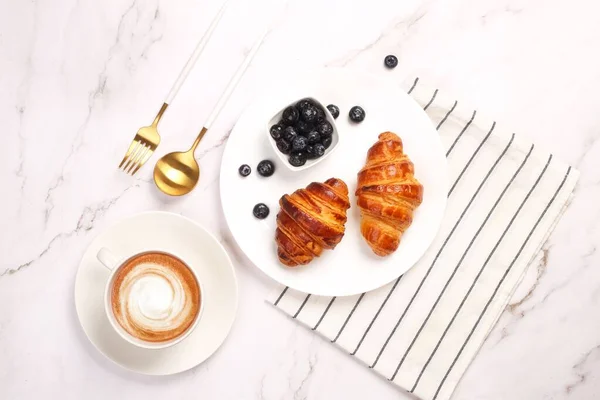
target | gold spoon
x=178, y=173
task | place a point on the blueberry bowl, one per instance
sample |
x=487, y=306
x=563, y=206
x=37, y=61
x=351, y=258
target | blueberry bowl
x=303, y=133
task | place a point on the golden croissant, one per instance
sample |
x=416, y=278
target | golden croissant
x=387, y=194
x=311, y=220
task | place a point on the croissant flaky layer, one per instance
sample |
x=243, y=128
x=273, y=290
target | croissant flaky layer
x=387, y=194
x=310, y=220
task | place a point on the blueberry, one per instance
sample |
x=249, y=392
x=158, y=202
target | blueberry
x=391, y=61
x=316, y=151
x=313, y=137
x=325, y=129
x=303, y=127
x=309, y=114
x=310, y=149
x=261, y=211
x=334, y=110
x=265, y=168
x=298, y=159
x=276, y=131
x=289, y=133
x=244, y=170
x=290, y=115
x=357, y=114
x=326, y=142
x=299, y=143
x=303, y=104
x=320, y=114
x=283, y=146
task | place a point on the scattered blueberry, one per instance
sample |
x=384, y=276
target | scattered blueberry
x=315, y=151
x=298, y=159
x=261, y=211
x=325, y=129
x=283, y=146
x=244, y=170
x=289, y=133
x=357, y=114
x=313, y=137
x=265, y=168
x=299, y=143
x=327, y=142
x=391, y=61
x=303, y=127
x=309, y=114
x=290, y=115
x=276, y=131
x=334, y=110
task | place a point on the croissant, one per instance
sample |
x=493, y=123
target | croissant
x=387, y=194
x=311, y=220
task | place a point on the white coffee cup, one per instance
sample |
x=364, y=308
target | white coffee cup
x=114, y=264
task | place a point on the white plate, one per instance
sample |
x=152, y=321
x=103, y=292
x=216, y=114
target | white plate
x=352, y=267
x=200, y=250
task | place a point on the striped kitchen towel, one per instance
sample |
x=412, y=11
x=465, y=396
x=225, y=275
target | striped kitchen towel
x=422, y=330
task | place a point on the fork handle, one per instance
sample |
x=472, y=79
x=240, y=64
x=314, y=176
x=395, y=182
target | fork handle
x=195, y=55
x=234, y=81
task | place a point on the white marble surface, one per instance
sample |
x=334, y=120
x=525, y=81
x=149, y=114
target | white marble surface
x=78, y=77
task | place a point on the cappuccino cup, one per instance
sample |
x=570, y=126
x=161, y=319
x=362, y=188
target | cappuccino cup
x=152, y=299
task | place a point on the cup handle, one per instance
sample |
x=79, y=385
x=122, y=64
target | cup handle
x=107, y=258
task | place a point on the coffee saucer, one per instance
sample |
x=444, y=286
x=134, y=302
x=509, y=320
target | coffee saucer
x=201, y=251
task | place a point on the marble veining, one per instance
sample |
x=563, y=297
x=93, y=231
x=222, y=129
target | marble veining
x=79, y=77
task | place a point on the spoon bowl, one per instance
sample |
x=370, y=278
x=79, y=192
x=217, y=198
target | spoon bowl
x=177, y=173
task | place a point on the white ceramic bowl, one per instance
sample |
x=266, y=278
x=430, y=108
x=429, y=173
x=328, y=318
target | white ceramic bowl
x=335, y=137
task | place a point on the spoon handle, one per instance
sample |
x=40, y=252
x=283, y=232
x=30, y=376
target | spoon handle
x=234, y=81
x=195, y=55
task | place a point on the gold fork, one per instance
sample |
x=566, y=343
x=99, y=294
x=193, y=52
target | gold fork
x=144, y=143
x=147, y=138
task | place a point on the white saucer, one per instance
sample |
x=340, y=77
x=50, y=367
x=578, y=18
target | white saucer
x=200, y=250
x=351, y=268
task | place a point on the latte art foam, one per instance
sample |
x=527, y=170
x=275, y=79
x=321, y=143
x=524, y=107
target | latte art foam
x=155, y=297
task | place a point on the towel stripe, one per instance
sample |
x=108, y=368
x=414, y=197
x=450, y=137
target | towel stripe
x=443, y=245
x=348, y=318
x=431, y=101
x=377, y=314
x=476, y=278
x=461, y=133
x=472, y=157
x=280, y=296
x=502, y=280
x=324, y=313
x=447, y=115
x=460, y=261
x=301, y=306
x=413, y=85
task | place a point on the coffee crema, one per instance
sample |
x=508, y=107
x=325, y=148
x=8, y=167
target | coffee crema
x=155, y=297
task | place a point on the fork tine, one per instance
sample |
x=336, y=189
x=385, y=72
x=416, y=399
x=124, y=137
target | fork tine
x=133, y=155
x=143, y=160
x=137, y=160
x=132, y=146
x=137, y=157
